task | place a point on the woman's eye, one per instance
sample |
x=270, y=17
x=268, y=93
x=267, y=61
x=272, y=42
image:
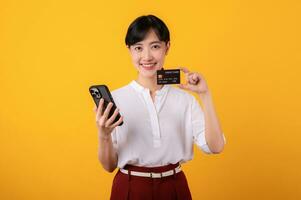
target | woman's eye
x=138, y=48
x=156, y=46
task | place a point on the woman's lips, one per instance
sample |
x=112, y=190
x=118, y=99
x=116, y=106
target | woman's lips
x=148, y=66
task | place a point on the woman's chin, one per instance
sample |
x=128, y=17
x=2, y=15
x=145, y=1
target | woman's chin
x=148, y=74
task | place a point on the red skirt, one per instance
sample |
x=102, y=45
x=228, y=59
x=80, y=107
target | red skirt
x=129, y=187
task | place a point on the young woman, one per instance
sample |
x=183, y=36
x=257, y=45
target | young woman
x=161, y=123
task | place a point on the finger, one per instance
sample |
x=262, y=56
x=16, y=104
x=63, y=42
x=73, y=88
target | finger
x=191, y=81
x=189, y=76
x=118, y=122
x=195, y=77
x=99, y=109
x=192, y=75
x=100, y=105
x=184, y=69
x=112, y=118
x=107, y=111
x=194, y=80
x=95, y=109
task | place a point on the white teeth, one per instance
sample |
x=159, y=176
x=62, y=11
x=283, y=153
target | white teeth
x=148, y=65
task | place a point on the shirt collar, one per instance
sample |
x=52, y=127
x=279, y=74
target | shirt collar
x=140, y=88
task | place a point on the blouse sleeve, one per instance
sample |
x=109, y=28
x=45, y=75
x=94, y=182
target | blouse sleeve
x=198, y=127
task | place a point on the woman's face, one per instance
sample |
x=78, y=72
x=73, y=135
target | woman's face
x=148, y=55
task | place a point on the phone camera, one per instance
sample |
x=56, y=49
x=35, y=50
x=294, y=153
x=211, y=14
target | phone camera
x=95, y=93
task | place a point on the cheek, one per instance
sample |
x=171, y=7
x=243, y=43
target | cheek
x=160, y=56
x=135, y=58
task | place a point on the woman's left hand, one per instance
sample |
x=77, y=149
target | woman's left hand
x=195, y=82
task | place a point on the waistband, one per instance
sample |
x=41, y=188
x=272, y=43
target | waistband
x=152, y=169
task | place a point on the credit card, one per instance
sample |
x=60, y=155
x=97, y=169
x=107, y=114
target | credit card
x=168, y=76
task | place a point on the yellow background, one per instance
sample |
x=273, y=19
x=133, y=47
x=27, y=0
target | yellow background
x=52, y=51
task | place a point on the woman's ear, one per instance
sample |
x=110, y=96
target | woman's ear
x=167, y=47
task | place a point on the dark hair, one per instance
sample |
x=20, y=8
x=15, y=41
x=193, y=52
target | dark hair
x=142, y=25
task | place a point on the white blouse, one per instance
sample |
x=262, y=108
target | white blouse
x=157, y=133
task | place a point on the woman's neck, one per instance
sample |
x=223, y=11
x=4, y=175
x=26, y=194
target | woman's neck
x=150, y=83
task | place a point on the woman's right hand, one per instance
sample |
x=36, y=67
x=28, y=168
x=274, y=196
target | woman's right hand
x=106, y=126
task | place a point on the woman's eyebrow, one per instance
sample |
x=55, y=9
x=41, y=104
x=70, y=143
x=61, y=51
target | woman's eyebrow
x=153, y=42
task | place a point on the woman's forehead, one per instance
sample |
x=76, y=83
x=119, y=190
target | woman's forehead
x=150, y=38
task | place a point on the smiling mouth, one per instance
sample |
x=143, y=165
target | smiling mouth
x=148, y=66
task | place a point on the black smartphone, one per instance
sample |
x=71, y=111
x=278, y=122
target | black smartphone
x=102, y=91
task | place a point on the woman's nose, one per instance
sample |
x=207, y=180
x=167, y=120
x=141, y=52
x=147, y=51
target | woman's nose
x=147, y=55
